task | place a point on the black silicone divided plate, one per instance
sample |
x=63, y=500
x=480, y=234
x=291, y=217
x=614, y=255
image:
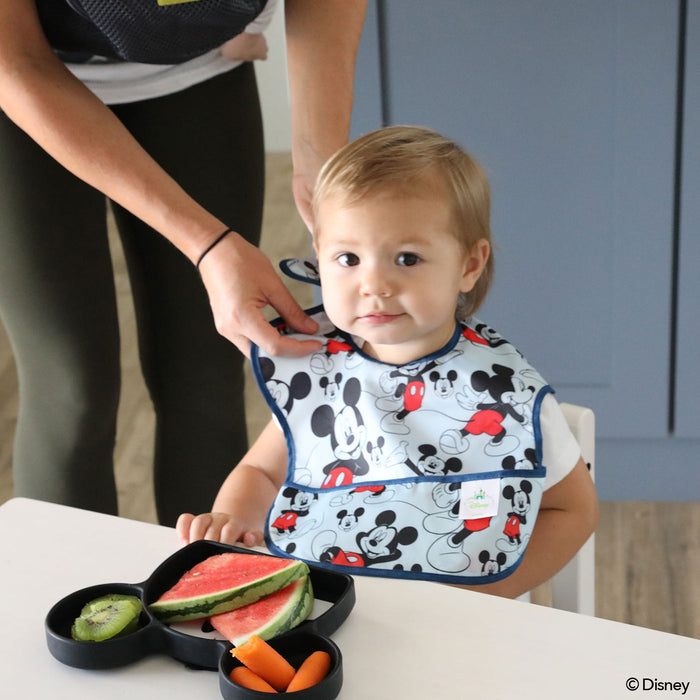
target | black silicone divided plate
x=154, y=637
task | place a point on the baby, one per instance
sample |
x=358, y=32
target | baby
x=418, y=443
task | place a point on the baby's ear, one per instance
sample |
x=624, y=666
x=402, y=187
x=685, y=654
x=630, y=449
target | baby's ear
x=474, y=262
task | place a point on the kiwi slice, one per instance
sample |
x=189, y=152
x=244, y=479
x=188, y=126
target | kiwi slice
x=109, y=616
x=106, y=600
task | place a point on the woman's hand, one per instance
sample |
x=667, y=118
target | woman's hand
x=241, y=281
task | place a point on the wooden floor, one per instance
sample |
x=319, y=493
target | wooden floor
x=647, y=554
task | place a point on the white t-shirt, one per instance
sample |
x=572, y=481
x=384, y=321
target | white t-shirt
x=118, y=82
x=560, y=450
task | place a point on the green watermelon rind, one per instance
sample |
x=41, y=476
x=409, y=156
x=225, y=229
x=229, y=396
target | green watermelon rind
x=209, y=604
x=286, y=620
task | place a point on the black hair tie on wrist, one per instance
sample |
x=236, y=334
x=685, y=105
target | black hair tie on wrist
x=211, y=245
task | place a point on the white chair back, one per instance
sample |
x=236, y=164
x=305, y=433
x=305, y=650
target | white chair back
x=573, y=588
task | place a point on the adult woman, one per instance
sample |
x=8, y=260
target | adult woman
x=169, y=163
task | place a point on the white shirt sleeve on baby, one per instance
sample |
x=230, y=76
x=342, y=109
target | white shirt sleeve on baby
x=560, y=450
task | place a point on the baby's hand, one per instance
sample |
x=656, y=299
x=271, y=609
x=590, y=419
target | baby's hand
x=219, y=527
x=246, y=47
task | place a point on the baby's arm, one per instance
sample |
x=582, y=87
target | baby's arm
x=246, y=47
x=241, y=506
x=568, y=516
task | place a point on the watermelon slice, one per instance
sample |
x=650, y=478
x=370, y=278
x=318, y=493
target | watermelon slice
x=225, y=582
x=270, y=616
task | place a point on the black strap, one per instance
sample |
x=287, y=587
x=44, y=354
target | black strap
x=212, y=244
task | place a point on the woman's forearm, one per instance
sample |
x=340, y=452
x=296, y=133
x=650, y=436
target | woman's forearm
x=322, y=42
x=44, y=99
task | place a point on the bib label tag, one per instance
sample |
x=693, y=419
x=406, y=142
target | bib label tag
x=479, y=499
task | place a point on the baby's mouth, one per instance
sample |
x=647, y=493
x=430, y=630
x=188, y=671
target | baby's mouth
x=378, y=317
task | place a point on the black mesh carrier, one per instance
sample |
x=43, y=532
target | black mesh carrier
x=142, y=30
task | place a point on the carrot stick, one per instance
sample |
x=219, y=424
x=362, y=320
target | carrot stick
x=312, y=671
x=245, y=677
x=262, y=659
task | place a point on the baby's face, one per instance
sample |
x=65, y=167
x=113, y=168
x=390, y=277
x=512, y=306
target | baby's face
x=391, y=272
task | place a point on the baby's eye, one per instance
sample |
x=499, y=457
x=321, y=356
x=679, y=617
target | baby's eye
x=407, y=259
x=348, y=259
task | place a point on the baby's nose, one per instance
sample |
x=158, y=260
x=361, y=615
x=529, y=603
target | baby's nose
x=376, y=281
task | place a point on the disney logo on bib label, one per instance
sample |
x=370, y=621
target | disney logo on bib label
x=479, y=499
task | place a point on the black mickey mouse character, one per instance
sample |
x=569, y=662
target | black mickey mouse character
x=331, y=387
x=411, y=386
x=507, y=393
x=520, y=504
x=349, y=521
x=444, y=386
x=299, y=504
x=346, y=430
x=528, y=461
x=382, y=542
x=378, y=545
x=431, y=464
x=283, y=394
x=490, y=566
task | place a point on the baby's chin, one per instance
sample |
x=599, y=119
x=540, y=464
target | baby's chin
x=405, y=352
x=398, y=354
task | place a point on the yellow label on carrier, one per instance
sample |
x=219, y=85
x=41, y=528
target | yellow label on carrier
x=174, y=2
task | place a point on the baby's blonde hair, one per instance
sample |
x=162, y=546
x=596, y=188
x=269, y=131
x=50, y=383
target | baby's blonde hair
x=410, y=160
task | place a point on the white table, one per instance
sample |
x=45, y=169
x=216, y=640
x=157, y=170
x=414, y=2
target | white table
x=403, y=639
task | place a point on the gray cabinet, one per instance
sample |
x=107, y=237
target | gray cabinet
x=687, y=393
x=572, y=108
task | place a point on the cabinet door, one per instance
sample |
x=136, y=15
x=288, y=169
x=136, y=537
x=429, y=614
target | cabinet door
x=570, y=106
x=687, y=415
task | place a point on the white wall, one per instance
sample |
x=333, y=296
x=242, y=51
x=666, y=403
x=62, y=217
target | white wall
x=273, y=87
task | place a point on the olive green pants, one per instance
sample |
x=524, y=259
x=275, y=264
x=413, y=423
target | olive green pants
x=58, y=305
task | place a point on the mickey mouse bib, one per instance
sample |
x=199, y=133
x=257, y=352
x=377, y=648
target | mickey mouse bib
x=430, y=470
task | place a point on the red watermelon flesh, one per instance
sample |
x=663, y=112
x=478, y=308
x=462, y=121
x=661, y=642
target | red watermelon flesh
x=268, y=617
x=225, y=582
